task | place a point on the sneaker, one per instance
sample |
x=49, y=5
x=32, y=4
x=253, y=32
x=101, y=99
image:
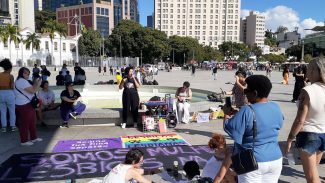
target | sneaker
x=64, y=125
x=73, y=115
x=37, y=140
x=4, y=129
x=123, y=125
x=27, y=144
x=13, y=129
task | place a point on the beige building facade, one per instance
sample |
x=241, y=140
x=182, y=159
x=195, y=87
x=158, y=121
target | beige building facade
x=253, y=29
x=211, y=22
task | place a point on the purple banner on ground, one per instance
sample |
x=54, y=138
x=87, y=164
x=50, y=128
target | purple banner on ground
x=87, y=145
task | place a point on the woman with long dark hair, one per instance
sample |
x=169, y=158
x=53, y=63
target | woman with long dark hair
x=299, y=83
x=7, y=96
x=130, y=96
x=25, y=113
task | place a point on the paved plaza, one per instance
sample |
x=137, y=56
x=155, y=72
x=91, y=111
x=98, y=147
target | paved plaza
x=194, y=133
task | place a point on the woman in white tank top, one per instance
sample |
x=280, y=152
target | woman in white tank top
x=128, y=172
x=309, y=125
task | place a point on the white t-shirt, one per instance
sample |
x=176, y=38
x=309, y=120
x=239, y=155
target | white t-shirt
x=117, y=174
x=315, y=119
x=211, y=168
x=21, y=84
x=64, y=71
x=46, y=97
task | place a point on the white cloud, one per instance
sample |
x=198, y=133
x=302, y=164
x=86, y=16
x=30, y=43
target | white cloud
x=244, y=13
x=285, y=16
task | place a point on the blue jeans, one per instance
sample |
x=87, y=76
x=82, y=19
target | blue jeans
x=66, y=110
x=7, y=100
x=310, y=142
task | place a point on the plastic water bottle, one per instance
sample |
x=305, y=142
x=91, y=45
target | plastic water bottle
x=291, y=159
x=175, y=170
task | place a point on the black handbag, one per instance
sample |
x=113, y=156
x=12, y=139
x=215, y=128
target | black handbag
x=34, y=101
x=245, y=161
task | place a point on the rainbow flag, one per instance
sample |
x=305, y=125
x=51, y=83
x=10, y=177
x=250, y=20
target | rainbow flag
x=153, y=140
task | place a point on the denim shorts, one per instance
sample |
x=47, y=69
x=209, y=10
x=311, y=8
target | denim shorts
x=310, y=142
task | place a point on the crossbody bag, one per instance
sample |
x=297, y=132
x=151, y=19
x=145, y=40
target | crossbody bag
x=245, y=161
x=34, y=101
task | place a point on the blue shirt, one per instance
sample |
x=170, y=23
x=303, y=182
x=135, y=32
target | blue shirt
x=269, y=120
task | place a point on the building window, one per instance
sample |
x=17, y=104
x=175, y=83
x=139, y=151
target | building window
x=98, y=11
x=55, y=46
x=64, y=47
x=46, y=45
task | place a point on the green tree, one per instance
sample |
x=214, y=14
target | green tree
x=89, y=43
x=257, y=51
x=281, y=29
x=294, y=51
x=32, y=40
x=270, y=40
x=132, y=38
x=233, y=49
x=308, y=58
x=10, y=33
x=41, y=17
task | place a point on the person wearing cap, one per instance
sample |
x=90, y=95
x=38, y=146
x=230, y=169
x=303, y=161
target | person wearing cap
x=71, y=105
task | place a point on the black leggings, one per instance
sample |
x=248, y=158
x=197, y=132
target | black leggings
x=130, y=100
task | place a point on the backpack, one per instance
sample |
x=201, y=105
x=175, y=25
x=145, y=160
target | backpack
x=110, y=82
x=154, y=82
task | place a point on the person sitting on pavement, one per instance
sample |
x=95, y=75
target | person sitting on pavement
x=183, y=95
x=59, y=79
x=214, y=164
x=129, y=170
x=64, y=69
x=68, y=77
x=71, y=104
x=192, y=171
x=47, y=99
x=45, y=73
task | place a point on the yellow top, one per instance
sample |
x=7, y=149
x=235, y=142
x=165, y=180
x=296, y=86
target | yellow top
x=118, y=79
x=5, y=81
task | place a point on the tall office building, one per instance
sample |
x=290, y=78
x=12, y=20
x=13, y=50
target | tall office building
x=38, y=5
x=18, y=12
x=126, y=9
x=134, y=10
x=150, y=21
x=4, y=12
x=51, y=5
x=96, y=16
x=253, y=29
x=211, y=22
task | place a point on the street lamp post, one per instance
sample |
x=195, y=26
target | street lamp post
x=184, y=58
x=173, y=56
x=121, y=46
x=76, y=20
x=141, y=58
x=302, y=51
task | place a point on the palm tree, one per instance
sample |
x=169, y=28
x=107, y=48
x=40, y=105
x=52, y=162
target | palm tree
x=11, y=34
x=50, y=28
x=62, y=31
x=32, y=40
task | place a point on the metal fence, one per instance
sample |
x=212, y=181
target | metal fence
x=110, y=61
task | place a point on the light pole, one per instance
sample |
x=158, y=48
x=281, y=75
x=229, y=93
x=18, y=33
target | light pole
x=184, y=58
x=121, y=46
x=302, y=51
x=76, y=20
x=141, y=58
x=173, y=56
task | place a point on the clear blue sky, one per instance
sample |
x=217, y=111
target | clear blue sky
x=314, y=9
